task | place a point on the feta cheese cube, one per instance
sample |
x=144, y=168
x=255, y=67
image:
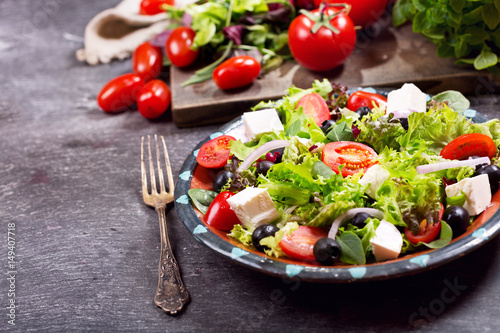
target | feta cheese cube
x=260, y=122
x=387, y=241
x=408, y=97
x=477, y=193
x=374, y=177
x=253, y=206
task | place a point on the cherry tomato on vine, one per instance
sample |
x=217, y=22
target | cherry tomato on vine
x=153, y=99
x=219, y=214
x=473, y=144
x=363, y=12
x=178, y=47
x=120, y=93
x=236, y=72
x=315, y=106
x=428, y=232
x=362, y=98
x=215, y=153
x=152, y=7
x=300, y=243
x=323, y=49
x=147, y=61
x=354, y=157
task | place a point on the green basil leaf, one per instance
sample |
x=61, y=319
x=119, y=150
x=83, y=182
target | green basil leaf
x=465, y=61
x=201, y=198
x=420, y=22
x=460, y=48
x=352, y=248
x=321, y=169
x=475, y=35
x=457, y=5
x=398, y=13
x=491, y=15
x=445, y=50
x=485, y=59
x=341, y=132
x=444, y=237
x=495, y=36
x=455, y=99
x=294, y=128
x=473, y=17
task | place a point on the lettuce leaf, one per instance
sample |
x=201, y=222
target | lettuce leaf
x=272, y=242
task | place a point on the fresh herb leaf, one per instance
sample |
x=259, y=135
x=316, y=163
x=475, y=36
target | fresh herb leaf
x=202, y=198
x=352, y=248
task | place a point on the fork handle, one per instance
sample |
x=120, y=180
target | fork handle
x=171, y=294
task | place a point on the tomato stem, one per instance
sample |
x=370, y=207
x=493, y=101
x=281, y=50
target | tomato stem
x=324, y=20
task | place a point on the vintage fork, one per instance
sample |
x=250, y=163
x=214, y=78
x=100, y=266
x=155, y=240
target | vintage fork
x=171, y=294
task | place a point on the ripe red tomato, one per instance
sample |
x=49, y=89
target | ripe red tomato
x=473, y=144
x=427, y=233
x=236, y=72
x=315, y=106
x=178, y=47
x=362, y=98
x=363, y=12
x=215, y=153
x=153, y=99
x=354, y=157
x=120, y=93
x=152, y=7
x=147, y=61
x=323, y=50
x=300, y=243
x=219, y=214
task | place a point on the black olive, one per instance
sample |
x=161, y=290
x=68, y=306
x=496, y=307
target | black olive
x=359, y=220
x=363, y=111
x=458, y=219
x=327, y=251
x=493, y=173
x=404, y=123
x=263, y=167
x=279, y=156
x=261, y=232
x=221, y=179
x=327, y=125
x=478, y=166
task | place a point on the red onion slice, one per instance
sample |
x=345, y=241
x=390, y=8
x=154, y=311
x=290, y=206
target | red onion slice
x=350, y=214
x=427, y=168
x=262, y=150
x=402, y=113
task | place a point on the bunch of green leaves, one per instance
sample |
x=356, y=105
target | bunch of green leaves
x=468, y=30
x=261, y=31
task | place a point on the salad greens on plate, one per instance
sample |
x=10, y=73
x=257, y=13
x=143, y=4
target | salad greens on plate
x=366, y=181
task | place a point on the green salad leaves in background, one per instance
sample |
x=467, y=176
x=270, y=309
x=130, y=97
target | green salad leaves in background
x=468, y=30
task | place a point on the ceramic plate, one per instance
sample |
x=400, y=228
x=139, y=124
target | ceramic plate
x=483, y=229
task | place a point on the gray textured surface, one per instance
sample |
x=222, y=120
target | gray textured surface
x=87, y=247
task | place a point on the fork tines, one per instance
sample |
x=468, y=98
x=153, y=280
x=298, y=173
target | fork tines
x=152, y=174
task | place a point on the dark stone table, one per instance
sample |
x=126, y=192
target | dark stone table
x=86, y=247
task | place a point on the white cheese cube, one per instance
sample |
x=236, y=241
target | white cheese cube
x=387, y=241
x=260, y=122
x=374, y=177
x=477, y=193
x=253, y=206
x=408, y=97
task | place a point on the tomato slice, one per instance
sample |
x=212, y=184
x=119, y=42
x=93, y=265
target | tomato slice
x=354, y=157
x=428, y=232
x=473, y=144
x=315, y=106
x=215, y=153
x=219, y=214
x=362, y=98
x=300, y=243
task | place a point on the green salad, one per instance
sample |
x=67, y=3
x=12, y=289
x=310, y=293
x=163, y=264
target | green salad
x=331, y=177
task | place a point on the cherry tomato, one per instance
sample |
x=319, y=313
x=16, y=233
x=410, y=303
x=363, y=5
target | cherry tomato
x=362, y=98
x=215, y=153
x=300, y=243
x=469, y=145
x=363, y=12
x=147, y=61
x=323, y=50
x=354, y=157
x=178, y=47
x=427, y=233
x=219, y=214
x=120, y=93
x=153, y=99
x=152, y=7
x=315, y=106
x=236, y=72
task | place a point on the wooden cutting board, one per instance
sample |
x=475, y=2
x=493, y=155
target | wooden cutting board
x=384, y=57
